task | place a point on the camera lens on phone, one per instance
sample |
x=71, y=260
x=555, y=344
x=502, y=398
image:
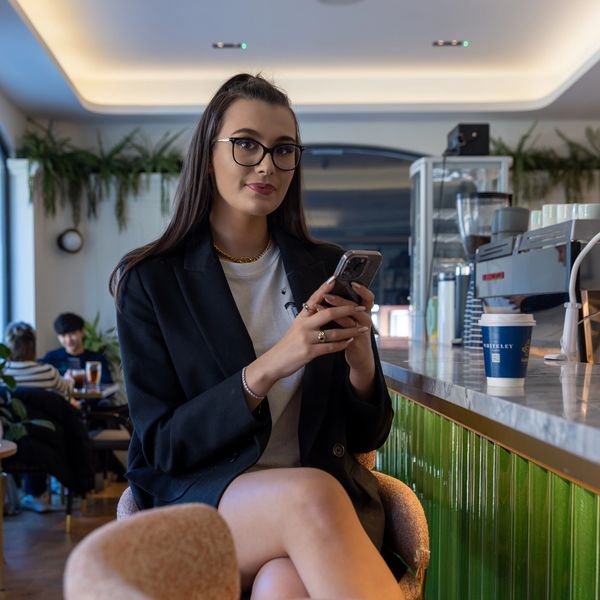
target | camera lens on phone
x=354, y=268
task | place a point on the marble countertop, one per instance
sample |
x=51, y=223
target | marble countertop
x=559, y=404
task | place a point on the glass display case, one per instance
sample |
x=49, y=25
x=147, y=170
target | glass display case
x=435, y=243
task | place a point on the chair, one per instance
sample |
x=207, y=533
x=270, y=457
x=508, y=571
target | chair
x=63, y=452
x=113, y=436
x=6, y=449
x=181, y=551
x=406, y=529
x=406, y=534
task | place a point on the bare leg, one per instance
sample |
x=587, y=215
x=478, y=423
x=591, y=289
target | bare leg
x=278, y=580
x=306, y=515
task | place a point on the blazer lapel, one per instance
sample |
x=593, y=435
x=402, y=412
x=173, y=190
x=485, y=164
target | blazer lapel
x=305, y=273
x=209, y=299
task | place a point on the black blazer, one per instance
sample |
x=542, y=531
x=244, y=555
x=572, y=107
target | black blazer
x=184, y=345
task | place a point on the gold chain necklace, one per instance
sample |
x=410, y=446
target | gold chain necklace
x=242, y=259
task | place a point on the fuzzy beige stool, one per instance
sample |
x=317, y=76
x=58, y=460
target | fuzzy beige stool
x=183, y=551
x=406, y=530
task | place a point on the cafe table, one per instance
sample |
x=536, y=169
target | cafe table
x=96, y=392
x=6, y=449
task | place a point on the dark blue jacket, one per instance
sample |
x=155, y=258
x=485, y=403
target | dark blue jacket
x=60, y=359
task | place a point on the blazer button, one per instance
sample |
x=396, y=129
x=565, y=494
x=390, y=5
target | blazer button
x=338, y=450
x=234, y=457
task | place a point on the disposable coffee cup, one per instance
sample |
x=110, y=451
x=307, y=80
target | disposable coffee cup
x=505, y=391
x=506, y=341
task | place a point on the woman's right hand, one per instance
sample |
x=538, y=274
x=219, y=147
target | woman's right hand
x=305, y=340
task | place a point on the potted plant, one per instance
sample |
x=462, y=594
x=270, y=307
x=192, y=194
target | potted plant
x=105, y=342
x=13, y=414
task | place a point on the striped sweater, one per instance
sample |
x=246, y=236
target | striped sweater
x=33, y=374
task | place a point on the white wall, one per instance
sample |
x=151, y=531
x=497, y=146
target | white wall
x=48, y=280
x=418, y=134
x=79, y=282
x=12, y=123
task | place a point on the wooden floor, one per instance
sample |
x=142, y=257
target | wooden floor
x=36, y=546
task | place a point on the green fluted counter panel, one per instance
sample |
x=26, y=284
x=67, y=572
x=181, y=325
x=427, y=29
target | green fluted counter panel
x=501, y=526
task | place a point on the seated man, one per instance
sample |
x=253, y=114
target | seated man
x=70, y=332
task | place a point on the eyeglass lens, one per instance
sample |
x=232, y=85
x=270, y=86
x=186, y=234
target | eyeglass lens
x=248, y=153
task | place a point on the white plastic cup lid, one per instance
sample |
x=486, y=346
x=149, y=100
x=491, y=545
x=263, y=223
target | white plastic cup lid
x=506, y=320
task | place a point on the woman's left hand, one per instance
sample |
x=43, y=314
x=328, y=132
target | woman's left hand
x=359, y=354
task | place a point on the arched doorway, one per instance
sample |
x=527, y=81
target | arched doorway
x=359, y=197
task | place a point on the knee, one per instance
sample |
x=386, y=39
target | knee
x=318, y=499
x=277, y=580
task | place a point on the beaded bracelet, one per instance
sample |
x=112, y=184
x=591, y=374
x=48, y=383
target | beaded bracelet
x=247, y=389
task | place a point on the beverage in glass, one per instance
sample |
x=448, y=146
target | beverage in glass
x=78, y=378
x=93, y=372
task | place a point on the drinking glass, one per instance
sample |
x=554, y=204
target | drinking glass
x=79, y=377
x=93, y=372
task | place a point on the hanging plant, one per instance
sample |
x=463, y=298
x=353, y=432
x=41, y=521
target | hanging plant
x=537, y=171
x=163, y=159
x=62, y=174
x=72, y=175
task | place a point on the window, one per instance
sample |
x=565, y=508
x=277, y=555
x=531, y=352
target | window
x=4, y=242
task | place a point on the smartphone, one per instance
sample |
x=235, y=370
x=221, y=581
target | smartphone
x=355, y=265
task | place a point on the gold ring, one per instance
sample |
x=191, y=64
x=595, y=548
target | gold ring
x=321, y=336
x=309, y=309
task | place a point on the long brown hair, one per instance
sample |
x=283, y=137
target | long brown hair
x=194, y=195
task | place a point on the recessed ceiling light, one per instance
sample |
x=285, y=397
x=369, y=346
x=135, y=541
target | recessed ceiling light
x=451, y=43
x=234, y=45
x=338, y=2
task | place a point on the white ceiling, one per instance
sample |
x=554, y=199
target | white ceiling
x=77, y=57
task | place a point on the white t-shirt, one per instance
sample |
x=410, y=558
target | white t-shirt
x=263, y=297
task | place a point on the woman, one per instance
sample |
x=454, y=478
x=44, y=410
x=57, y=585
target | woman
x=208, y=328
x=20, y=339
x=61, y=449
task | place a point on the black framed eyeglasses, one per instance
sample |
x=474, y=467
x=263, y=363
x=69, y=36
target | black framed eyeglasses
x=249, y=153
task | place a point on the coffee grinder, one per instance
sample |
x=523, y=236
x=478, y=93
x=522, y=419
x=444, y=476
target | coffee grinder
x=475, y=211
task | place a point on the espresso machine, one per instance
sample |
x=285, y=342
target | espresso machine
x=530, y=273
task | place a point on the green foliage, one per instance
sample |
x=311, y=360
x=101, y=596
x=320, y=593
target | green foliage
x=4, y=357
x=105, y=342
x=536, y=171
x=13, y=413
x=15, y=423
x=72, y=175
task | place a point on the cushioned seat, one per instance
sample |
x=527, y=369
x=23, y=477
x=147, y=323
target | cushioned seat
x=182, y=551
